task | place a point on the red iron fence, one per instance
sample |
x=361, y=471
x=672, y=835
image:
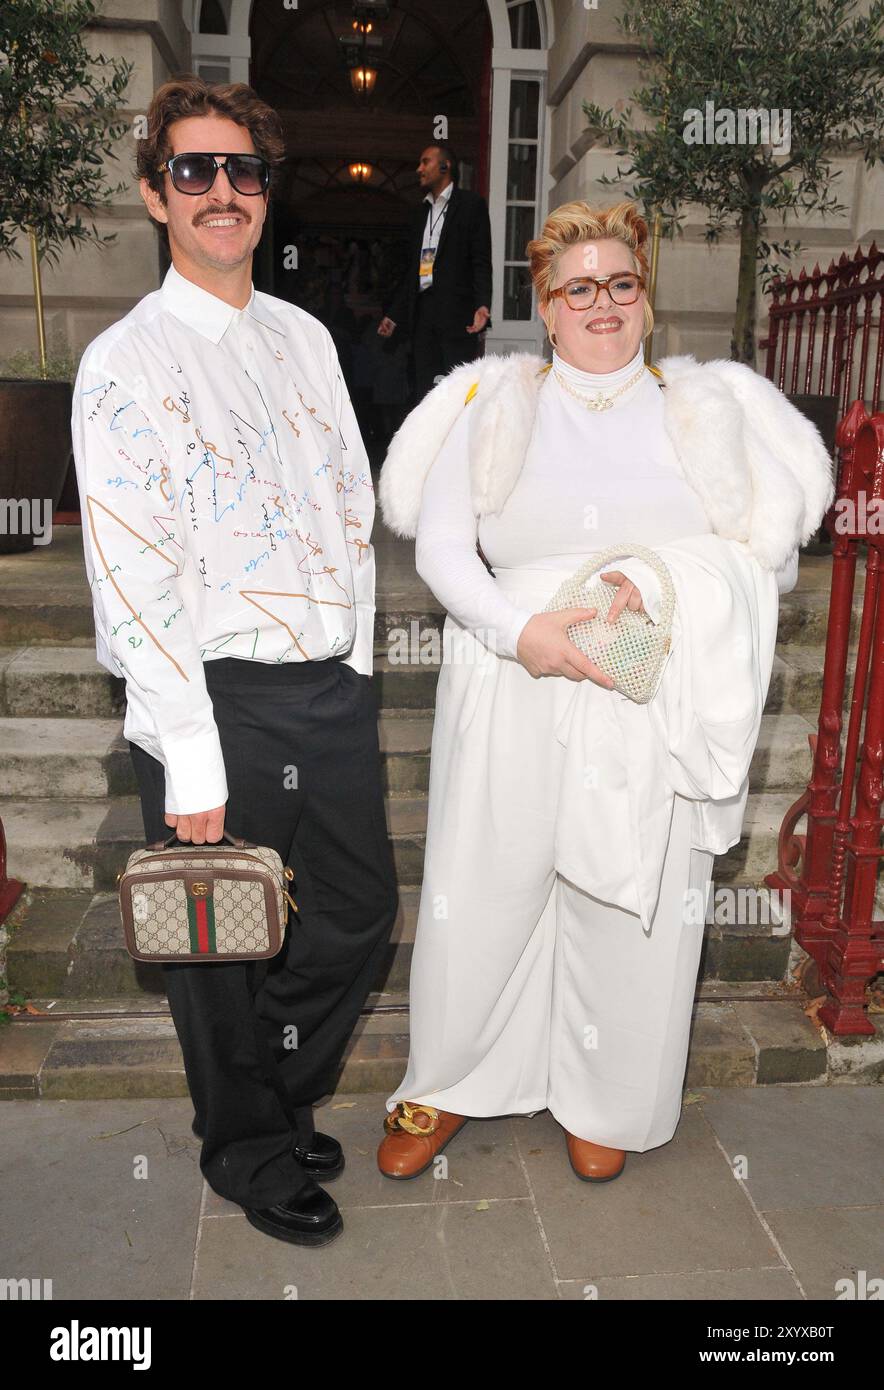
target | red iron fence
x=831, y=871
x=824, y=334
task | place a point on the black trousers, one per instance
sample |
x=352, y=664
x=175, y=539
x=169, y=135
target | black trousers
x=436, y=353
x=262, y=1041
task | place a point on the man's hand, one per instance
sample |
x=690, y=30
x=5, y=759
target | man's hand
x=545, y=649
x=386, y=327
x=199, y=827
x=480, y=318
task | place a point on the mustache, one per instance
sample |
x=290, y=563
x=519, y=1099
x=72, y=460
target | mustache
x=232, y=208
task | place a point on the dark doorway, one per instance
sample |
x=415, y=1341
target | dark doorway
x=336, y=243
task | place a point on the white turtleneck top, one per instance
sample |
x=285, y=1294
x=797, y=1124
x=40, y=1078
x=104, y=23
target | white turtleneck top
x=590, y=479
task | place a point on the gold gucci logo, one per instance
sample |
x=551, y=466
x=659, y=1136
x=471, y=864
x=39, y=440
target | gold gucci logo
x=199, y=890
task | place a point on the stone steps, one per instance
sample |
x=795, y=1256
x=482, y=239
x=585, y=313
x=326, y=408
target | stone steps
x=70, y=945
x=85, y=844
x=796, y=682
x=752, y=1034
x=84, y=758
x=65, y=616
x=49, y=681
x=72, y=818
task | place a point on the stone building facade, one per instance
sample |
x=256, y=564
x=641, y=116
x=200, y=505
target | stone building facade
x=522, y=68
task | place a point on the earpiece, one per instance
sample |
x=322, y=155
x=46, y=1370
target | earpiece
x=443, y=166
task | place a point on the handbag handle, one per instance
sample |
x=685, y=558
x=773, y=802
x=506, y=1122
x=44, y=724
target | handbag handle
x=602, y=559
x=231, y=840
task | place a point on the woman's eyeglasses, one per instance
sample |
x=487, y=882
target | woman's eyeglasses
x=583, y=293
x=248, y=174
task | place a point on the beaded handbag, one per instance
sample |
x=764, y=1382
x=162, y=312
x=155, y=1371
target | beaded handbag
x=632, y=650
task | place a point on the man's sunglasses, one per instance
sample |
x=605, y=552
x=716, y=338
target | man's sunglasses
x=248, y=174
x=582, y=293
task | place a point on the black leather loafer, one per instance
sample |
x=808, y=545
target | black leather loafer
x=323, y=1158
x=311, y=1217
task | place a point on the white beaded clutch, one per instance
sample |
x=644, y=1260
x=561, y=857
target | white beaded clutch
x=632, y=650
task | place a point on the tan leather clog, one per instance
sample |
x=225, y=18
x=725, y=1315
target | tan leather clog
x=415, y=1134
x=593, y=1162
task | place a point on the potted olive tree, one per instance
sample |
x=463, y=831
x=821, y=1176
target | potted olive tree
x=745, y=108
x=58, y=125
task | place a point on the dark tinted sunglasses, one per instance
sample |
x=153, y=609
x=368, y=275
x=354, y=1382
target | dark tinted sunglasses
x=248, y=174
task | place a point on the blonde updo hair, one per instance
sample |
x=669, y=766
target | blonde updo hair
x=576, y=222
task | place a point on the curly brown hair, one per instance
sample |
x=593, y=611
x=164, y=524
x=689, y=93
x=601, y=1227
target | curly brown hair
x=576, y=222
x=191, y=96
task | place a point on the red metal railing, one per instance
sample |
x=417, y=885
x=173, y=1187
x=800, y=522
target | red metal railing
x=824, y=334
x=11, y=889
x=831, y=870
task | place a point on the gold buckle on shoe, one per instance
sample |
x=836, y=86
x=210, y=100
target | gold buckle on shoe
x=402, y=1118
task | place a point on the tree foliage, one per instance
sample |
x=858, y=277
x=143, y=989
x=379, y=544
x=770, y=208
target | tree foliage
x=58, y=125
x=820, y=60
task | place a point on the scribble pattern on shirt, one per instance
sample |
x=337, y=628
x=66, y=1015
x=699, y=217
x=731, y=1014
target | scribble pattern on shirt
x=227, y=500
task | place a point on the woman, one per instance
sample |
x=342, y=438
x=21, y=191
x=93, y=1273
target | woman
x=571, y=832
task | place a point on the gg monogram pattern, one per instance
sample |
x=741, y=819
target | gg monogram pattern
x=156, y=908
x=165, y=907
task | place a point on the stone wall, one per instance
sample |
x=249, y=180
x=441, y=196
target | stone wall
x=588, y=60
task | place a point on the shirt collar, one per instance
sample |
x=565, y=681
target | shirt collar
x=205, y=312
x=443, y=196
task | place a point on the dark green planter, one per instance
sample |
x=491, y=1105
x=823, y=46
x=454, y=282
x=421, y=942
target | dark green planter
x=35, y=452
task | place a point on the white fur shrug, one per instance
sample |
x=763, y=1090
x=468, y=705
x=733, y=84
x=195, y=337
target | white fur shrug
x=759, y=467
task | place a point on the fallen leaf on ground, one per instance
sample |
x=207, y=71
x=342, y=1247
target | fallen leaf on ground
x=812, y=1009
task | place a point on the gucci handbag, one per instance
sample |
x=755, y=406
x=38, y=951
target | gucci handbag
x=631, y=651
x=214, y=902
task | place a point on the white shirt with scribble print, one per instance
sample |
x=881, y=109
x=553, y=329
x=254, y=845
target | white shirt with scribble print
x=227, y=508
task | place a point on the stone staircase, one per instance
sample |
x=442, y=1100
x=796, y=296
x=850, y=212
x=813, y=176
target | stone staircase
x=100, y=1026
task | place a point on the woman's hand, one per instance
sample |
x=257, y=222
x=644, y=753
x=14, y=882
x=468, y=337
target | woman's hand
x=545, y=649
x=628, y=595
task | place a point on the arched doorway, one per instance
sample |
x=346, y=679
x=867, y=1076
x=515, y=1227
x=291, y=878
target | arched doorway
x=480, y=64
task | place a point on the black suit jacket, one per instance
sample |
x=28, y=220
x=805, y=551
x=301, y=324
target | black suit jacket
x=461, y=269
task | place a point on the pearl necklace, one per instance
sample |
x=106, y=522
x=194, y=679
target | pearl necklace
x=598, y=401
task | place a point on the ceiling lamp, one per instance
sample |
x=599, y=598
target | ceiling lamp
x=362, y=79
x=361, y=173
x=363, y=46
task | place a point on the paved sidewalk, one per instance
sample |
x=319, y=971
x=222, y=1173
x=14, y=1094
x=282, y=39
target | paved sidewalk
x=510, y=1220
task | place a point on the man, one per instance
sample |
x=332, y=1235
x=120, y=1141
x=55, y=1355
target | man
x=227, y=509
x=443, y=299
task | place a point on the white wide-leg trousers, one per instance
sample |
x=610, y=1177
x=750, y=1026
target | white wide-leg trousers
x=528, y=993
